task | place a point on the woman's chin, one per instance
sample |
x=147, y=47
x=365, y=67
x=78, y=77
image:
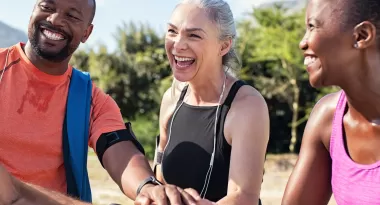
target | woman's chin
x=182, y=77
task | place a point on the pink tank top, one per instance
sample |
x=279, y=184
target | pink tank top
x=352, y=183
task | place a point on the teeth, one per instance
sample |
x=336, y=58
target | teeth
x=183, y=59
x=309, y=60
x=52, y=36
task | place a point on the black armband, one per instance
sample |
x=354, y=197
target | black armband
x=106, y=140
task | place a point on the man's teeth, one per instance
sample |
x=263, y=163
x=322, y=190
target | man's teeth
x=52, y=36
x=309, y=60
x=183, y=59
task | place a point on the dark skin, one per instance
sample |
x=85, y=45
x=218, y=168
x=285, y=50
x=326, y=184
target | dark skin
x=354, y=69
x=57, y=28
x=72, y=18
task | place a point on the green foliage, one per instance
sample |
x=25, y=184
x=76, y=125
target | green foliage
x=136, y=76
x=138, y=73
x=146, y=131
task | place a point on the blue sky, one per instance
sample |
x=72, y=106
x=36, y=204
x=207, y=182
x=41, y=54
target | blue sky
x=111, y=13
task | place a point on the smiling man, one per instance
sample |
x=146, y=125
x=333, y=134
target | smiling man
x=36, y=128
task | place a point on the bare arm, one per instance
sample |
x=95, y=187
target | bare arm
x=248, y=130
x=309, y=182
x=127, y=166
x=41, y=196
x=167, y=107
x=15, y=192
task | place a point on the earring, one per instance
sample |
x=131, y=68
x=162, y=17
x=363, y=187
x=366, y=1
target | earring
x=356, y=45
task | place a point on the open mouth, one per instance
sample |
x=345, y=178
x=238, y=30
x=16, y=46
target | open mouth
x=183, y=62
x=309, y=60
x=52, y=35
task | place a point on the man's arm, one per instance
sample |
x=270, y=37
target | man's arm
x=16, y=192
x=127, y=166
x=32, y=194
x=310, y=181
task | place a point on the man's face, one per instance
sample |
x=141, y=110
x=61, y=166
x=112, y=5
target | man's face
x=57, y=27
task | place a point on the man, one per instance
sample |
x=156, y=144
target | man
x=34, y=84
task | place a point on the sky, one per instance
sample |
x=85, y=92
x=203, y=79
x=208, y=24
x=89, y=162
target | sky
x=112, y=13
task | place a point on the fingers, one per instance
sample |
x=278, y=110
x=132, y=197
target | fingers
x=142, y=200
x=193, y=193
x=159, y=196
x=187, y=198
x=173, y=194
x=167, y=195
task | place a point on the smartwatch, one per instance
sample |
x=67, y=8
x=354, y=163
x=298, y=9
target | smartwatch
x=149, y=180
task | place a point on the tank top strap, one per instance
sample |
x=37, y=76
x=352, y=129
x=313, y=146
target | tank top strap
x=182, y=96
x=336, y=141
x=233, y=91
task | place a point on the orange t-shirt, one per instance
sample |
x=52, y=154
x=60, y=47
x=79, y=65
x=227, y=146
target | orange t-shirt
x=32, y=109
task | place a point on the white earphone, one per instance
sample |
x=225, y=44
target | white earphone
x=208, y=175
x=5, y=65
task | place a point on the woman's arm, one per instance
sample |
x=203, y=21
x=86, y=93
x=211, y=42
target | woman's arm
x=247, y=129
x=167, y=107
x=310, y=181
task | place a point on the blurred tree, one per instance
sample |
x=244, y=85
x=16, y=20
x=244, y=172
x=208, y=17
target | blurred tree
x=273, y=42
x=133, y=76
x=137, y=74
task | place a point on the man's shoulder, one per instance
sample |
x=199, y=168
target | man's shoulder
x=4, y=50
x=8, y=53
x=100, y=98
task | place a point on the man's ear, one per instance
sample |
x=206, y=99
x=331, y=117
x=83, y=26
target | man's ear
x=87, y=33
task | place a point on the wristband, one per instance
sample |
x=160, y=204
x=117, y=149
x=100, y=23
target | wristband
x=149, y=180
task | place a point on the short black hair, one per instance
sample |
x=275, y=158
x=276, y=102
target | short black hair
x=357, y=11
x=93, y=11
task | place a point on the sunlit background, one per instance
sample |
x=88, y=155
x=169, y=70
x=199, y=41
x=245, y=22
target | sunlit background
x=125, y=62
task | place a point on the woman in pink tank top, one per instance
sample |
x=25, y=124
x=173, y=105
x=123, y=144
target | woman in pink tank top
x=340, y=151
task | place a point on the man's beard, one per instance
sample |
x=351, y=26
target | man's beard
x=63, y=54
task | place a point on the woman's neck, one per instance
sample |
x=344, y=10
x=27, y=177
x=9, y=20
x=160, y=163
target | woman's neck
x=207, y=90
x=363, y=93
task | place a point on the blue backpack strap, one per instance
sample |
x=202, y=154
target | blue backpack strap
x=76, y=135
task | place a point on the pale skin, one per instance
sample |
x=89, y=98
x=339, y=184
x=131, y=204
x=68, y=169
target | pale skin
x=127, y=166
x=247, y=123
x=241, y=122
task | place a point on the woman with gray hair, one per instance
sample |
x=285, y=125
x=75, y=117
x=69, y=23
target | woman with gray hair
x=214, y=128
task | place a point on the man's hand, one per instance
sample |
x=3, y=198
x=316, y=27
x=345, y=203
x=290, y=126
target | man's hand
x=166, y=195
x=8, y=188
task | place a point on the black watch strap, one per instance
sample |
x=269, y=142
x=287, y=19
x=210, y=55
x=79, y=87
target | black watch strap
x=149, y=180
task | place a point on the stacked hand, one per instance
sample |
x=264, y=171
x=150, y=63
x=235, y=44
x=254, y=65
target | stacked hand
x=169, y=195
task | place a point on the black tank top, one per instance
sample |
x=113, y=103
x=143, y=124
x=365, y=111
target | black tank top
x=187, y=156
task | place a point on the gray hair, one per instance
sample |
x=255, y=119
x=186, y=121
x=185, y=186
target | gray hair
x=219, y=13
